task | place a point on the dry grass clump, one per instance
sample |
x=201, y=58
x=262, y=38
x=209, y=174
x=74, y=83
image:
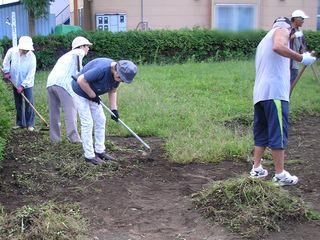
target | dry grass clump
x=48, y=221
x=251, y=207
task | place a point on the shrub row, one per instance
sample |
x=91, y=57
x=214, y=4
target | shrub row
x=158, y=46
x=6, y=115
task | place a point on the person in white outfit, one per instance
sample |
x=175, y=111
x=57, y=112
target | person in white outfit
x=271, y=99
x=19, y=66
x=99, y=76
x=297, y=40
x=60, y=93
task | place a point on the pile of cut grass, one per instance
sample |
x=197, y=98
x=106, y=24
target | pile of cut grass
x=251, y=207
x=47, y=221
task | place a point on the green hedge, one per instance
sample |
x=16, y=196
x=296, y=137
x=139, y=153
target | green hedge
x=6, y=110
x=158, y=46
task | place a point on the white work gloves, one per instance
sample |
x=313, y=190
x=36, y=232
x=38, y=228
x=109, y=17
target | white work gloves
x=298, y=34
x=307, y=59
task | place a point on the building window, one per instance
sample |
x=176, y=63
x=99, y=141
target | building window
x=235, y=17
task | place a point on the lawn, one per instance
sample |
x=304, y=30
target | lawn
x=203, y=110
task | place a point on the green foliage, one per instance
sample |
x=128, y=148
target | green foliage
x=158, y=46
x=313, y=41
x=39, y=8
x=6, y=114
x=47, y=221
x=251, y=207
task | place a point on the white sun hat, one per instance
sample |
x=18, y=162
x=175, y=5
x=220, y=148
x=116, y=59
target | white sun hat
x=80, y=41
x=25, y=43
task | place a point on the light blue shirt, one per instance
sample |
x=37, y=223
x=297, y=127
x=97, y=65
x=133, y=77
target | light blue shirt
x=21, y=67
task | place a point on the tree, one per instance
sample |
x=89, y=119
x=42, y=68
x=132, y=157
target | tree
x=36, y=9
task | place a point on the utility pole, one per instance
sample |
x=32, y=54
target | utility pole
x=75, y=12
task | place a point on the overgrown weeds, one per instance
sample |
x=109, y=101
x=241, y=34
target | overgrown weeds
x=48, y=221
x=251, y=207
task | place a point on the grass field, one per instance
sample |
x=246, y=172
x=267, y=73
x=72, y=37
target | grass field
x=203, y=110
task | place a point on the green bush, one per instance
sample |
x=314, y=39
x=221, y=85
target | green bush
x=157, y=46
x=313, y=41
x=5, y=109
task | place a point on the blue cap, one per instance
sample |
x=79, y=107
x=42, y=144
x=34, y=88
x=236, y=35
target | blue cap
x=126, y=70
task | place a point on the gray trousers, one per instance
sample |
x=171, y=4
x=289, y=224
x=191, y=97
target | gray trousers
x=58, y=97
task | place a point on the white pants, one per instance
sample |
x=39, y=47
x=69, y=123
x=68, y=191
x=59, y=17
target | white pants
x=91, y=116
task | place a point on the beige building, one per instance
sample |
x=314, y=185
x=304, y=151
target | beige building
x=235, y=15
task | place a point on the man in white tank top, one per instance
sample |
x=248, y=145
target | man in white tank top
x=271, y=99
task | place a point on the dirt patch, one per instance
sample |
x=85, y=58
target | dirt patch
x=143, y=197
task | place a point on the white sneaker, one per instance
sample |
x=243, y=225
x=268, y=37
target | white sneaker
x=259, y=172
x=30, y=129
x=16, y=127
x=286, y=179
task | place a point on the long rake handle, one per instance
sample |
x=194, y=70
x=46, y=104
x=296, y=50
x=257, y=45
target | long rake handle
x=315, y=72
x=30, y=104
x=125, y=125
x=297, y=78
x=34, y=109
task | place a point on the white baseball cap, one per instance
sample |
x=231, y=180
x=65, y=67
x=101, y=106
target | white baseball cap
x=299, y=13
x=25, y=43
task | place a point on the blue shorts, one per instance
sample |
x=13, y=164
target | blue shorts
x=270, y=127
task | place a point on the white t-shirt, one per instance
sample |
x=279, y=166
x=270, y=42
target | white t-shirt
x=66, y=66
x=272, y=72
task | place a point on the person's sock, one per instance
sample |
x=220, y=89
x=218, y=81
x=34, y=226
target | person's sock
x=280, y=175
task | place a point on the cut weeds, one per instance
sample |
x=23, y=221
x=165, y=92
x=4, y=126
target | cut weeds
x=251, y=207
x=47, y=221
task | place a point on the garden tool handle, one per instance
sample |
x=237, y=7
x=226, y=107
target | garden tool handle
x=34, y=109
x=297, y=78
x=30, y=104
x=299, y=75
x=125, y=125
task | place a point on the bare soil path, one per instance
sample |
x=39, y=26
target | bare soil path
x=149, y=197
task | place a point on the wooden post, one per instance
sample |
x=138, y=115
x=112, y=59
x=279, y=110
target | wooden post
x=75, y=13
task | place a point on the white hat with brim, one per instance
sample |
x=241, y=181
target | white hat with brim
x=80, y=41
x=25, y=43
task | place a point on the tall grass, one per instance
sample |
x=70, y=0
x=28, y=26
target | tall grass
x=203, y=110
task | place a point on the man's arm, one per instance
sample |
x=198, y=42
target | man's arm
x=113, y=99
x=84, y=85
x=280, y=45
